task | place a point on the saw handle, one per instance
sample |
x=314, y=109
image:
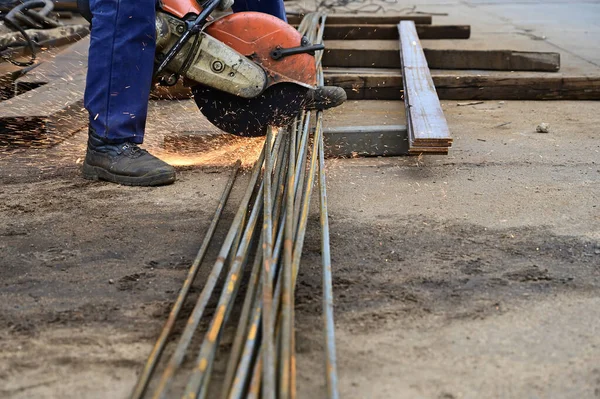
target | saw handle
x=194, y=27
x=279, y=53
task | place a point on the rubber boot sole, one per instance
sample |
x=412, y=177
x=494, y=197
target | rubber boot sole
x=96, y=173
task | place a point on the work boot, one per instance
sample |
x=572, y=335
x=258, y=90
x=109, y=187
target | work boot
x=124, y=163
x=324, y=97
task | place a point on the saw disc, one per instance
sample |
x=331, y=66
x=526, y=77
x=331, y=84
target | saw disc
x=278, y=106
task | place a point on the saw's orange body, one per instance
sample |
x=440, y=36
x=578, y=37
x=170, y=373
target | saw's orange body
x=181, y=8
x=255, y=35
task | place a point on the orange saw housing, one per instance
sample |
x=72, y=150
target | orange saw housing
x=255, y=35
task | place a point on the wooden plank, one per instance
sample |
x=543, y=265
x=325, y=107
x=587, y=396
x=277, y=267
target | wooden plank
x=386, y=84
x=384, y=54
x=367, y=83
x=494, y=60
x=44, y=116
x=524, y=87
x=390, y=32
x=425, y=119
x=353, y=19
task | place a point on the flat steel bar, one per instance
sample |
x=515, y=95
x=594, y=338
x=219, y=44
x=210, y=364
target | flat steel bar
x=159, y=346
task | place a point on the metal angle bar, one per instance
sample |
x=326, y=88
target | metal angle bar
x=154, y=357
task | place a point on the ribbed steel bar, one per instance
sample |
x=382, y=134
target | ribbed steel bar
x=330, y=362
x=243, y=324
x=286, y=350
x=242, y=373
x=207, y=349
x=300, y=235
x=301, y=170
x=251, y=343
x=329, y=324
x=251, y=296
x=159, y=346
x=254, y=389
x=268, y=369
x=199, y=379
x=282, y=197
x=198, y=311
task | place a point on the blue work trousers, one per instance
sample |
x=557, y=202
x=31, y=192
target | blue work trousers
x=121, y=64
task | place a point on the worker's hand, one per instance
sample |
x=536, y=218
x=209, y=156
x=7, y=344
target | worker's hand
x=225, y=4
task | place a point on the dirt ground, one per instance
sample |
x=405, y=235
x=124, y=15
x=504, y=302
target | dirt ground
x=463, y=276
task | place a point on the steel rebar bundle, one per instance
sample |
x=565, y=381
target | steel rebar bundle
x=261, y=361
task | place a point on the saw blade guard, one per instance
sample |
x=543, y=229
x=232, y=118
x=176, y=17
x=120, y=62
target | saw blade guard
x=257, y=35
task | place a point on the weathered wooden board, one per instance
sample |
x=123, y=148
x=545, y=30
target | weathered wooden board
x=427, y=126
x=390, y=32
x=386, y=84
x=353, y=19
x=367, y=83
x=44, y=116
x=384, y=54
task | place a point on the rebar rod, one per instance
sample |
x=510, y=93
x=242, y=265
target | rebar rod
x=330, y=363
x=199, y=378
x=243, y=324
x=159, y=346
x=328, y=320
x=207, y=349
x=268, y=369
x=265, y=335
x=194, y=319
x=285, y=365
x=242, y=372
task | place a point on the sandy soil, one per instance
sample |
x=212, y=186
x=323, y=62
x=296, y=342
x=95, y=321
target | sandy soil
x=467, y=276
x=476, y=272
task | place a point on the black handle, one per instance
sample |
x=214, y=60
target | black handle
x=193, y=28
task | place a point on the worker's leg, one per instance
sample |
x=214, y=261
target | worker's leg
x=273, y=7
x=120, y=68
x=121, y=61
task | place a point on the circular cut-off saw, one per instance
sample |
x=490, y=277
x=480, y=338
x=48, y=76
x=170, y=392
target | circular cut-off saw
x=247, y=70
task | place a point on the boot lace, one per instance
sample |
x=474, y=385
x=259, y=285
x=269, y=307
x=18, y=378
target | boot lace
x=132, y=150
